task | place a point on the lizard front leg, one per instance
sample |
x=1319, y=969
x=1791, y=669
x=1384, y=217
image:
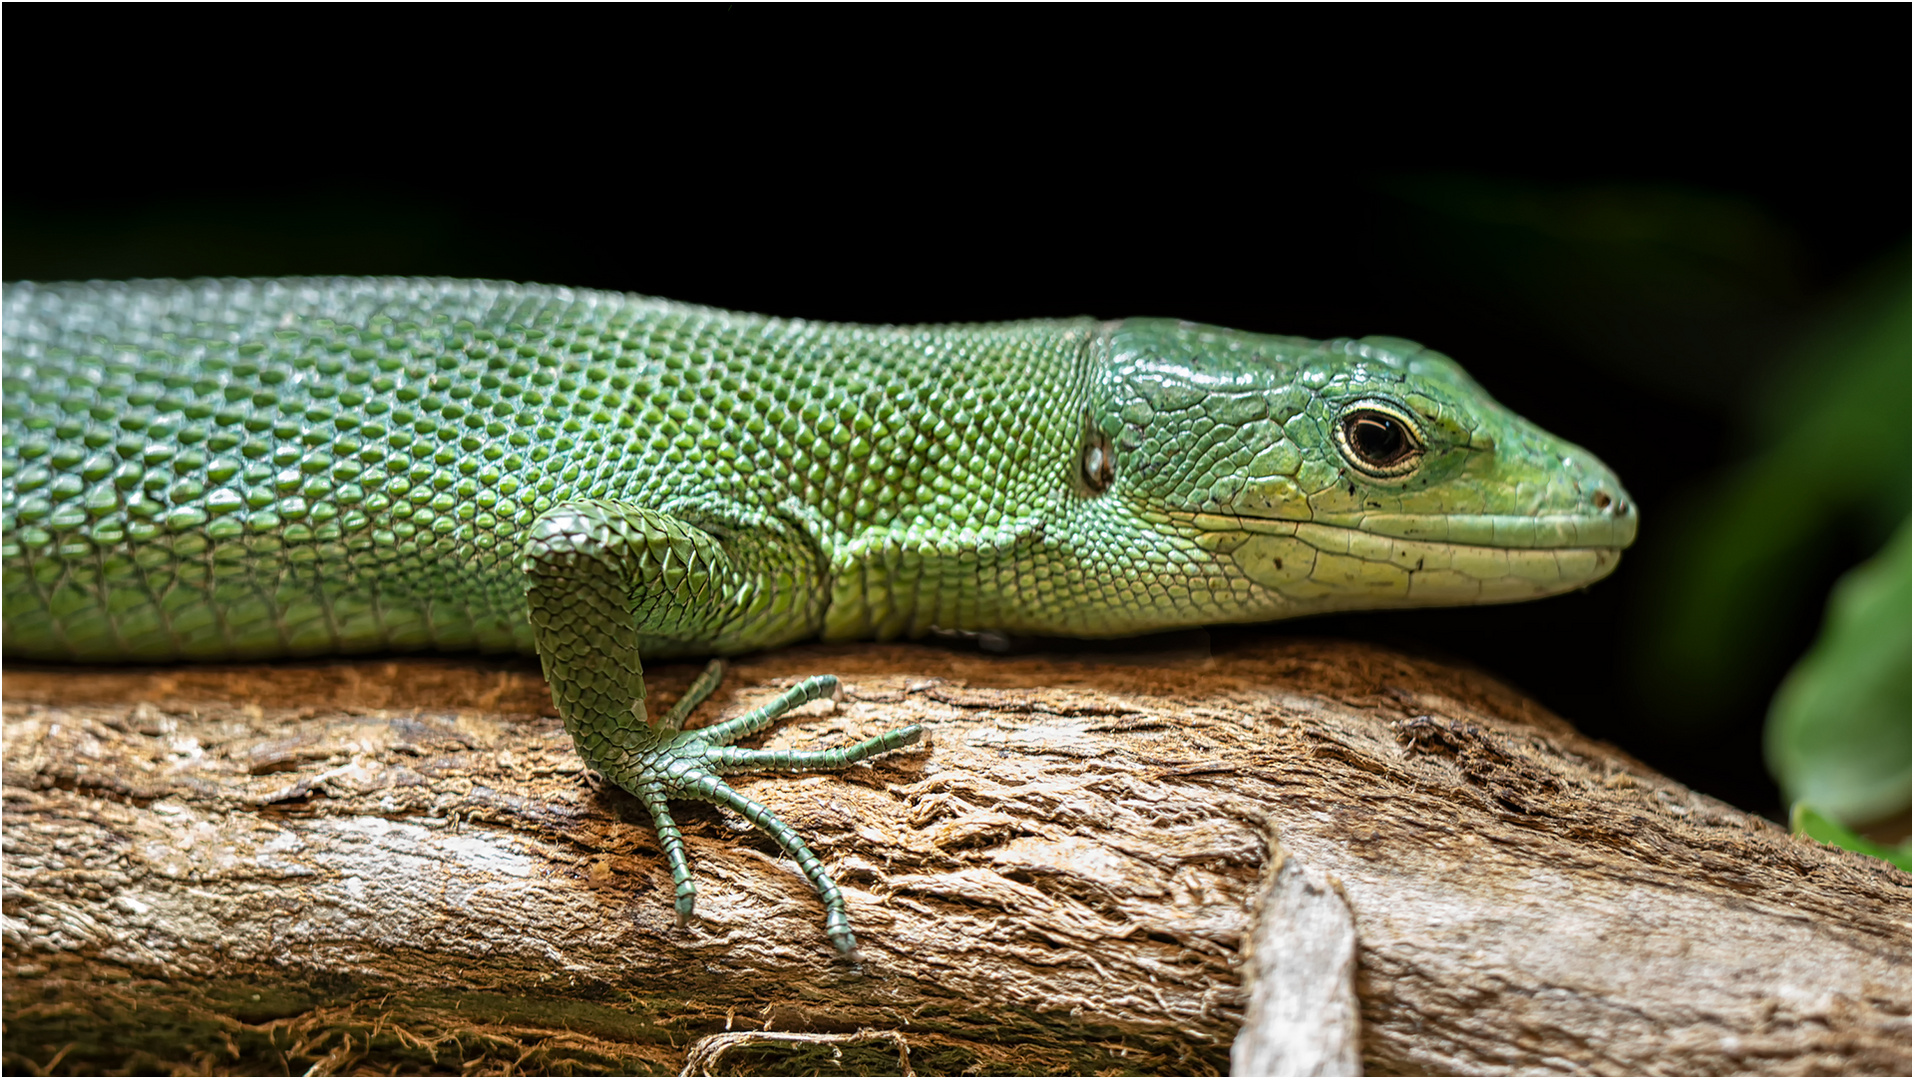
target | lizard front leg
x=601, y=576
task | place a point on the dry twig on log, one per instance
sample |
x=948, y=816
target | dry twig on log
x=394, y=865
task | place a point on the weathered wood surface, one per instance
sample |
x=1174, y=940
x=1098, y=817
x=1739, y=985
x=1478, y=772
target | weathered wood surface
x=393, y=865
x=1301, y=1016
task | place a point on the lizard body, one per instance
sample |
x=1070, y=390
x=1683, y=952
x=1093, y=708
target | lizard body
x=259, y=469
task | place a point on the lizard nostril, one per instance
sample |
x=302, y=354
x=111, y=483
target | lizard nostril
x=1602, y=500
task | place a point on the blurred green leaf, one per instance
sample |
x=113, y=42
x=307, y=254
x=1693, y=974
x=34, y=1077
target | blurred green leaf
x=1804, y=821
x=1828, y=437
x=1838, y=731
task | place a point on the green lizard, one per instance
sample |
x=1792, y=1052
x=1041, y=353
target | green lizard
x=229, y=470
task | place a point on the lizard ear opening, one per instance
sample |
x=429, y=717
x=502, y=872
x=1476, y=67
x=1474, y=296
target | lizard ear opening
x=1097, y=465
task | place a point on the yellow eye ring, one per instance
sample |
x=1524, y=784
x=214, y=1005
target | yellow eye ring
x=1379, y=440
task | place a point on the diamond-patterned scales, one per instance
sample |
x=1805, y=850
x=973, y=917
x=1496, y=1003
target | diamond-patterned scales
x=374, y=452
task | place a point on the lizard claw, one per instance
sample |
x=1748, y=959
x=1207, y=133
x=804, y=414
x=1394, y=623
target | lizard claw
x=688, y=765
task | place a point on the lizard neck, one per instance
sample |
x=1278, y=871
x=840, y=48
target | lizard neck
x=934, y=526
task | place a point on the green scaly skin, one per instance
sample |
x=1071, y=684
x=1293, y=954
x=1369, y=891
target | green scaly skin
x=232, y=470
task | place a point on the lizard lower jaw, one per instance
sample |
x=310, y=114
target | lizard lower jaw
x=1316, y=567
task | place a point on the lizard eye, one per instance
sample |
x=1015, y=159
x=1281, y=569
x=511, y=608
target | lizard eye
x=1379, y=441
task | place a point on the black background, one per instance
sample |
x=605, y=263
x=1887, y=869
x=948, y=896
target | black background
x=1242, y=166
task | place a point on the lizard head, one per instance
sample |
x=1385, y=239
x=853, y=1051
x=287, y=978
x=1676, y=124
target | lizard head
x=1327, y=476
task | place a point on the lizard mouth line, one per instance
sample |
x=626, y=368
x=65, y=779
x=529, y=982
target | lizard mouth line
x=1502, y=532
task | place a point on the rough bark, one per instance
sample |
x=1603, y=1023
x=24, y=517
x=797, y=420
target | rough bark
x=396, y=866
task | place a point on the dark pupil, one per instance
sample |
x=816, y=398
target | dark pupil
x=1377, y=438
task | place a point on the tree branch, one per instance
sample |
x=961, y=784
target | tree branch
x=395, y=865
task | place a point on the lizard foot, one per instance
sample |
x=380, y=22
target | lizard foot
x=689, y=764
